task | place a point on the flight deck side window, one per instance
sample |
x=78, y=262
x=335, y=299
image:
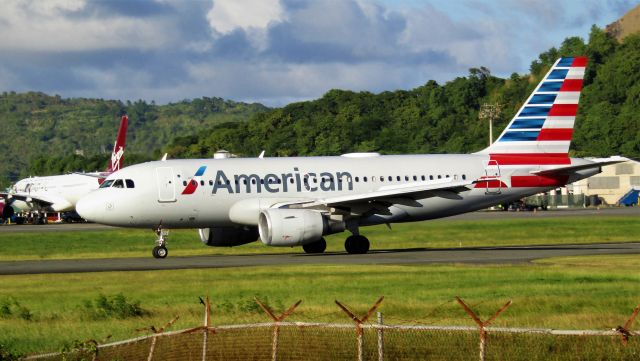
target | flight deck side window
x=129, y=183
x=118, y=183
x=107, y=183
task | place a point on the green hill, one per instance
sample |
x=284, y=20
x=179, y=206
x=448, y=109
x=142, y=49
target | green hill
x=436, y=118
x=44, y=134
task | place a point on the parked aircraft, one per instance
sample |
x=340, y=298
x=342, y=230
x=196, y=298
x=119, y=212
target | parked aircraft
x=295, y=201
x=59, y=193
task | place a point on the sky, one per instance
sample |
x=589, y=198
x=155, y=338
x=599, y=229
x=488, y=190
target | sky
x=275, y=51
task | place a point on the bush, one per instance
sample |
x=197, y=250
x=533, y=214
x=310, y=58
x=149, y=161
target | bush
x=12, y=308
x=113, y=307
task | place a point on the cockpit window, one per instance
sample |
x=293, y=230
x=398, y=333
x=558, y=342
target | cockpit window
x=118, y=183
x=129, y=183
x=107, y=183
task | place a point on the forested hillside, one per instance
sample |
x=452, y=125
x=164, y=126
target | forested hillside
x=436, y=118
x=41, y=134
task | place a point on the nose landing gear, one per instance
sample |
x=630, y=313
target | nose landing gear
x=160, y=250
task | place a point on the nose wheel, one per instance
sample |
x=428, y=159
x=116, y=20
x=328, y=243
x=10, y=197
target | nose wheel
x=160, y=250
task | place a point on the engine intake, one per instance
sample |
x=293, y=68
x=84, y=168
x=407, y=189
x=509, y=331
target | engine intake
x=294, y=227
x=228, y=236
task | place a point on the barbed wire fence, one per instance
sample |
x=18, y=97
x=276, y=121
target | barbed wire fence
x=360, y=340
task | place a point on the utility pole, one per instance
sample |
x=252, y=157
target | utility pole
x=490, y=111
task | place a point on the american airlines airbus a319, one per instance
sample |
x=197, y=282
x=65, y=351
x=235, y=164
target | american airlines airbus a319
x=296, y=201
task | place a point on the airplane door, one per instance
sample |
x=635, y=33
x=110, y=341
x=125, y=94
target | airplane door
x=492, y=175
x=166, y=185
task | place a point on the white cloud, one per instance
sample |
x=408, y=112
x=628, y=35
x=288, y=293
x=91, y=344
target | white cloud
x=58, y=26
x=252, y=16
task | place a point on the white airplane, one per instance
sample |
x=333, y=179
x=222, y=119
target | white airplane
x=295, y=201
x=60, y=193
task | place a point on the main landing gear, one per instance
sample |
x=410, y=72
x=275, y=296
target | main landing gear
x=160, y=250
x=354, y=244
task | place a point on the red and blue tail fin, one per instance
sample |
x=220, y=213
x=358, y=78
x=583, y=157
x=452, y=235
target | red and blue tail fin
x=543, y=127
x=118, y=148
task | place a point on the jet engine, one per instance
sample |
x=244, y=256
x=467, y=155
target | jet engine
x=294, y=227
x=228, y=236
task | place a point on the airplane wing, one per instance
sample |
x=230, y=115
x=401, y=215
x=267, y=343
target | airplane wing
x=28, y=198
x=40, y=202
x=597, y=162
x=436, y=188
x=102, y=175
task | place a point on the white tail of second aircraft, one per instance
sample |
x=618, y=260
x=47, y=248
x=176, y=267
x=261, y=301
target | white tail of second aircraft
x=543, y=127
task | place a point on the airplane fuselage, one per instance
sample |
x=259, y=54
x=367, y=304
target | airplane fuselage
x=200, y=193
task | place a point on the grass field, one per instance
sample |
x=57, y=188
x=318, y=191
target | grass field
x=585, y=292
x=44, y=312
x=430, y=234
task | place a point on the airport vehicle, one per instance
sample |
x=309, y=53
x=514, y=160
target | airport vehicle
x=295, y=201
x=59, y=193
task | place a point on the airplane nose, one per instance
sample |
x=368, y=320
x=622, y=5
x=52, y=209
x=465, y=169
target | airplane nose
x=90, y=207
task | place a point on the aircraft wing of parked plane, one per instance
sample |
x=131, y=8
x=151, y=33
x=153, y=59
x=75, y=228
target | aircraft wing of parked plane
x=296, y=201
x=60, y=193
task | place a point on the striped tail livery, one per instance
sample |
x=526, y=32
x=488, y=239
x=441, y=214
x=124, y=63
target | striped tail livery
x=541, y=131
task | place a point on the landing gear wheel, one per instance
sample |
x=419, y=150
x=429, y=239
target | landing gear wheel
x=356, y=244
x=160, y=252
x=316, y=247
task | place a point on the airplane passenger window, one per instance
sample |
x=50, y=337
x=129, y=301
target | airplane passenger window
x=381, y=179
x=201, y=182
x=106, y=184
x=430, y=177
x=357, y=179
x=447, y=176
x=210, y=182
x=118, y=184
x=364, y=179
x=184, y=183
x=390, y=179
x=129, y=183
x=406, y=178
x=422, y=177
x=415, y=178
x=398, y=178
x=439, y=176
x=464, y=177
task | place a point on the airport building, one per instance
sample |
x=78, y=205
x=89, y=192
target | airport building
x=612, y=184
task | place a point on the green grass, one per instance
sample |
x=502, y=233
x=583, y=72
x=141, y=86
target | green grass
x=575, y=293
x=429, y=234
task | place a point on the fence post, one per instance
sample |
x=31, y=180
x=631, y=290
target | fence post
x=625, y=331
x=276, y=327
x=156, y=333
x=380, y=338
x=359, y=322
x=482, y=325
x=207, y=324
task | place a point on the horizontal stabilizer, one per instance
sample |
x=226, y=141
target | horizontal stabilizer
x=596, y=163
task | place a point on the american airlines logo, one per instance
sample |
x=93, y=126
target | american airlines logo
x=193, y=182
x=273, y=183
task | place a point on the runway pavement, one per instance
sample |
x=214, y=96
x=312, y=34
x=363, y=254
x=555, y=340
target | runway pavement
x=479, y=255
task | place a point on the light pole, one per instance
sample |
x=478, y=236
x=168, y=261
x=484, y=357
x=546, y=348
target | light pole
x=490, y=111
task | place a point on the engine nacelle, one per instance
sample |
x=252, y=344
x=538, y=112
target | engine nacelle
x=227, y=236
x=294, y=227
